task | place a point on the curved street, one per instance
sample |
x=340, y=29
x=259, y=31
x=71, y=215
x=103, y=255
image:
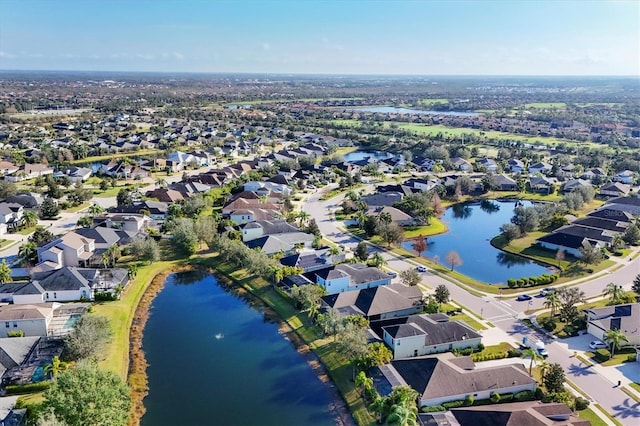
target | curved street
x=600, y=385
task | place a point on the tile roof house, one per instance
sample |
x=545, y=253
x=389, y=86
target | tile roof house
x=377, y=303
x=539, y=168
x=426, y=334
x=444, y=377
x=349, y=277
x=398, y=217
x=30, y=171
x=505, y=183
x=165, y=195
x=72, y=249
x=260, y=228
x=32, y=319
x=625, y=318
x=310, y=261
x=382, y=199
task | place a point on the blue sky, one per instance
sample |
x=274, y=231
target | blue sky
x=523, y=37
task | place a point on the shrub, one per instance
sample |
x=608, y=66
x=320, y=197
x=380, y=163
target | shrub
x=495, y=397
x=453, y=404
x=104, y=296
x=524, y=396
x=27, y=388
x=433, y=409
x=15, y=333
x=480, y=347
x=506, y=397
x=520, y=282
x=603, y=355
x=631, y=358
x=548, y=324
x=514, y=353
x=539, y=394
x=581, y=403
x=511, y=283
x=468, y=400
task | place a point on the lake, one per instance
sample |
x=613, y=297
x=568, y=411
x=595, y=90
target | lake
x=214, y=360
x=399, y=110
x=361, y=155
x=471, y=227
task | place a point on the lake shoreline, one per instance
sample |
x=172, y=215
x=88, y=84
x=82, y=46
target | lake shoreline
x=137, y=375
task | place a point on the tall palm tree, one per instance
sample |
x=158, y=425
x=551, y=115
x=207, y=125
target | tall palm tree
x=616, y=243
x=28, y=253
x=533, y=354
x=95, y=209
x=55, y=367
x=377, y=260
x=553, y=302
x=614, y=292
x=402, y=415
x=385, y=217
x=30, y=218
x=303, y=216
x=104, y=259
x=114, y=253
x=614, y=338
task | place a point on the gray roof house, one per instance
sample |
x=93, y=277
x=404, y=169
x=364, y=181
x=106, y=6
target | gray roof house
x=625, y=318
x=351, y=276
x=286, y=243
x=425, y=334
x=377, y=303
x=445, y=377
x=261, y=228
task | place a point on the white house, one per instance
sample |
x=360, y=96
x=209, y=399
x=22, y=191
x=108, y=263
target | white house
x=540, y=168
x=32, y=319
x=69, y=250
x=11, y=214
x=266, y=187
x=419, y=335
x=347, y=277
x=30, y=171
x=260, y=228
x=625, y=318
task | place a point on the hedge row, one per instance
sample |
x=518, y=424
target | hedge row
x=27, y=388
x=532, y=281
x=511, y=353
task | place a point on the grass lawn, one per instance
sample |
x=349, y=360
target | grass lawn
x=619, y=357
x=428, y=102
x=111, y=192
x=6, y=243
x=546, y=105
x=97, y=158
x=435, y=227
x=338, y=191
x=27, y=231
x=591, y=416
x=636, y=386
x=79, y=207
x=345, y=150
x=470, y=321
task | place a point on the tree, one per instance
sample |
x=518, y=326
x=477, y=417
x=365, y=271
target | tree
x=453, y=259
x=362, y=251
x=410, y=277
x=442, y=294
x=590, y=255
x=614, y=337
x=95, y=209
x=5, y=272
x=30, y=218
x=510, y=232
x=533, y=354
x=617, y=243
x=312, y=228
x=41, y=236
x=55, y=367
x=554, y=378
x=526, y=218
x=559, y=256
x=419, y=245
x=28, y=253
x=636, y=284
x=385, y=217
x=206, y=228
x=308, y=297
x=552, y=301
x=113, y=253
x=49, y=209
x=124, y=197
x=570, y=297
x=145, y=249
x=391, y=234
x=84, y=222
x=403, y=415
x=185, y=238
x=352, y=342
x=489, y=182
x=631, y=234
x=86, y=395
x=377, y=260
x=330, y=322
x=377, y=354
x=90, y=335
x=614, y=292
x=303, y=216
x=7, y=189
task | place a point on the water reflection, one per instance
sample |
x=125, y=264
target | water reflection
x=509, y=260
x=489, y=206
x=189, y=277
x=461, y=211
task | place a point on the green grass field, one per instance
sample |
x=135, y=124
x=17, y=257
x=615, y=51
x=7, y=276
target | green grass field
x=427, y=102
x=435, y=227
x=546, y=105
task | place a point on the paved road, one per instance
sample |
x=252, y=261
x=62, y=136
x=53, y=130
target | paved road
x=505, y=314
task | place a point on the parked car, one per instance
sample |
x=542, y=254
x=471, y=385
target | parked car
x=421, y=269
x=523, y=297
x=598, y=344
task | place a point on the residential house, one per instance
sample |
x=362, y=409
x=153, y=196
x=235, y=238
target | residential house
x=426, y=334
x=601, y=224
x=489, y=164
x=574, y=184
x=612, y=214
x=541, y=184
x=281, y=243
x=132, y=223
x=7, y=168
x=530, y=413
x=11, y=215
x=349, y=277
x=615, y=189
x=260, y=228
x=28, y=200
x=30, y=171
x=266, y=187
x=461, y=164
x=156, y=209
x=505, y=183
x=625, y=318
x=595, y=173
x=179, y=160
x=630, y=205
x=398, y=217
x=72, y=249
x=540, y=168
x=515, y=165
x=165, y=195
x=310, y=261
x=75, y=174
x=625, y=176
x=32, y=319
x=377, y=303
x=444, y=377
x=382, y=199
x=566, y=171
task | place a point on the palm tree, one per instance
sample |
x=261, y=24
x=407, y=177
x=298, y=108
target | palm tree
x=614, y=292
x=114, y=253
x=544, y=366
x=28, y=253
x=553, y=302
x=614, y=338
x=533, y=354
x=5, y=272
x=95, y=209
x=333, y=251
x=402, y=415
x=377, y=260
x=385, y=217
x=55, y=367
x=104, y=259
x=303, y=216
x=161, y=183
x=30, y=218
x=377, y=406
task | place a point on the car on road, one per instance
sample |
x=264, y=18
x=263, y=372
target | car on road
x=392, y=274
x=311, y=186
x=545, y=291
x=598, y=344
x=421, y=269
x=523, y=297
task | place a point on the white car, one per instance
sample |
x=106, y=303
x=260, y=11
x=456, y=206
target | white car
x=421, y=269
x=597, y=344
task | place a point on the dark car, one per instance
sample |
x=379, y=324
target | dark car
x=523, y=297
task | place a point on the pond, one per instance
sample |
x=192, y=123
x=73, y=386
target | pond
x=471, y=227
x=213, y=359
x=361, y=155
x=399, y=110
